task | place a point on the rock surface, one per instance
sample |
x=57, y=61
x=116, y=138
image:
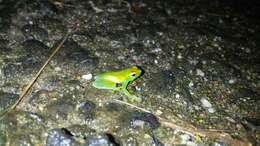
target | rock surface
x=200, y=60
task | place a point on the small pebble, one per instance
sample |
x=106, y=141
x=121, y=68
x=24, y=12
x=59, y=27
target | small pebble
x=200, y=73
x=211, y=110
x=156, y=61
x=231, y=81
x=57, y=69
x=185, y=138
x=179, y=56
x=205, y=103
x=58, y=137
x=191, y=84
x=87, y=77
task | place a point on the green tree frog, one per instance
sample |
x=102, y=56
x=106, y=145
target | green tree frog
x=118, y=81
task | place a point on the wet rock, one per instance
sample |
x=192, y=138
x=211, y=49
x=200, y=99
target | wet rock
x=34, y=32
x=35, y=47
x=207, y=105
x=87, y=76
x=6, y=99
x=114, y=107
x=158, y=35
x=59, y=137
x=60, y=108
x=22, y=128
x=52, y=82
x=14, y=33
x=142, y=138
x=81, y=131
x=218, y=143
x=2, y=138
x=244, y=97
x=41, y=97
x=249, y=93
x=86, y=109
x=36, y=118
x=6, y=11
x=185, y=138
x=162, y=83
x=101, y=140
x=251, y=124
x=78, y=57
x=143, y=120
x=82, y=58
x=24, y=65
x=4, y=45
x=53, y=25
x=153, y=141
x=39, y=7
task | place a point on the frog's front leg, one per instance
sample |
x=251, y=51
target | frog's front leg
x=131, y=97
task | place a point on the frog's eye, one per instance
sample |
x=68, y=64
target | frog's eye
x=133, y=74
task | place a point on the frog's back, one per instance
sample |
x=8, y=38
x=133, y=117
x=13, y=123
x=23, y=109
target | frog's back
x=114, y=76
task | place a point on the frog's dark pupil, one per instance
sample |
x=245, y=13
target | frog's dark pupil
x=133, y=74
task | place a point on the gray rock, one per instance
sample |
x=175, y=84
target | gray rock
x=143, y=120
x=6, y=99
x=100, y=140
x=86, y=109
x=34, y=32
x=59, y=137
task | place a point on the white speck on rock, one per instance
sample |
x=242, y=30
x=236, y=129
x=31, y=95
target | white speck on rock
x=181, y=46
x=156, y=50
x=200, y=72
x=87, y=77
x=179, y=56
x=231, y=81
x=57, y=69
x=204, y=62
x=190, y=143
x=156, y=61
x=137, y=88
x=193, y=62
x=31, y=22
x=115, y=44
x=185, y=138
x=205, y=103
x=211, y=110
x=191, y=84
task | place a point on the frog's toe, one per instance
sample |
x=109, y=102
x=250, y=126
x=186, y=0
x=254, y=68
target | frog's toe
x=135, y=99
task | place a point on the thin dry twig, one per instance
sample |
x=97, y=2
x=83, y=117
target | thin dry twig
x=191, y=130
x=33, y=80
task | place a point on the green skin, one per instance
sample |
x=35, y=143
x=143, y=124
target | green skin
x=118, y=81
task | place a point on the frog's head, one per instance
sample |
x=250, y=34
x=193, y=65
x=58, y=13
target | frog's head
x=133, y=72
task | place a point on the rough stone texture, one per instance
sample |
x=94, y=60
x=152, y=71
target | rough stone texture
x=58, y=137
x=200, y=60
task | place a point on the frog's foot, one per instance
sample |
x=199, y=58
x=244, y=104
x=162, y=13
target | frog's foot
x=131, y=98
x=134, y=98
